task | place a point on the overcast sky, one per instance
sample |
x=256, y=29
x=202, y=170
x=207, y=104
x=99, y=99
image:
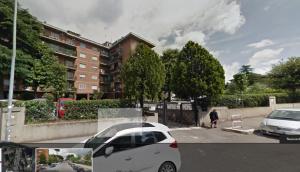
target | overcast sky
x=237, y=32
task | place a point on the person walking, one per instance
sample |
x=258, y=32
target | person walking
x=213, y=118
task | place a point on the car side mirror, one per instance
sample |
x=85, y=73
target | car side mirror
x=109, y=150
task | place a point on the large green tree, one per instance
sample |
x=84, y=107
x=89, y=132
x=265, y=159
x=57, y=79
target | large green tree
x=286, y=75
x=35, y=62
x=143, y=74
x=197, y=73
x=169, y=59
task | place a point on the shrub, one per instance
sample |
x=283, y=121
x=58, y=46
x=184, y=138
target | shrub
x=253, y=100
x=88, y=109
x=39, y=111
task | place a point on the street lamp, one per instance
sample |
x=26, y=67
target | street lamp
x=12, y=76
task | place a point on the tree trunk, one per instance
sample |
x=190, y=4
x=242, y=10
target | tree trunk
x=169, y=96
x=1, y=86
x=35, y=91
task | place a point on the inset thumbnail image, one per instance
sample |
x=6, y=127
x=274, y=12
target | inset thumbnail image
x=64, y=160
x=17, y=159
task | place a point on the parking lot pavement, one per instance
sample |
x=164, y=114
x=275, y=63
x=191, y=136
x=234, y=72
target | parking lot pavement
x=217, y=135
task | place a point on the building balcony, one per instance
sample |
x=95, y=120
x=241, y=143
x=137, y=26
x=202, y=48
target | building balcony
x=104, y=54
x=65, y=54
x=72, y=67
x=104, y=64
x=57, y=40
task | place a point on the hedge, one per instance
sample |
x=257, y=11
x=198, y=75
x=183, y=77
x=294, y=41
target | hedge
x=88, y=109
x=35, y=110
x=253, y=100
x=39, y=111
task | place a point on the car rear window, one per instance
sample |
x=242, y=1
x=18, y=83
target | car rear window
x=159, y=136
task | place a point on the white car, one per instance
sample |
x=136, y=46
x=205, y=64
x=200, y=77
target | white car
x=135, y=147
x=282, y=121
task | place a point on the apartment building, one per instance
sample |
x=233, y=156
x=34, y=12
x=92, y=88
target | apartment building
x=91, y=66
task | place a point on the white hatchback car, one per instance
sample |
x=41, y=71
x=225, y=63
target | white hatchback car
x=282, y=121
x=135, y=147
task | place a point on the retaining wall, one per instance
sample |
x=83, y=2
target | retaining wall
x=58, y=130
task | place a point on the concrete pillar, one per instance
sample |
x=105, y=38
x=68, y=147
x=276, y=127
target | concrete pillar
x=272, y=102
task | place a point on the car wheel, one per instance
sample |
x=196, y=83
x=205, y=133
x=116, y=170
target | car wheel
x=167, y=167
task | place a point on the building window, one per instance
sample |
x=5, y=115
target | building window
x=95, y=67
x=94, y=87
x=81, y=76
x=82, y=45
x=94, y=48
x=54, y=35
x=94, y=77
x=82, y=86
x=102, y=71
x=94, y=58
x=82, y=65
x=70, y=41
x=82, y=55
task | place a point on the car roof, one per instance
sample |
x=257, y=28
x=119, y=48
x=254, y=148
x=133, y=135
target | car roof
x=290, y=109
x=127, y=128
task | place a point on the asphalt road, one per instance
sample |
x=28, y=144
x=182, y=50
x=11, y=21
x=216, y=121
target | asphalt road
x=62, y=167
x=240, y=157
x=214, y=150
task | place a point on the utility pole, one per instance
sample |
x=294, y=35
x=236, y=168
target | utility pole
x=12, y=77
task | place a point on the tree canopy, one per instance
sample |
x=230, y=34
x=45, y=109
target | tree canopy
x=197, y=73
x=286, y=75
x=143, y=74
x=36, y=64
x=169, y=59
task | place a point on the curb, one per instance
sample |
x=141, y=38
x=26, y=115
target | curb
x=239, y=130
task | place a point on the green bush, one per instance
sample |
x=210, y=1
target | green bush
x=254, y=100
x=39, y=111
x=88, y=109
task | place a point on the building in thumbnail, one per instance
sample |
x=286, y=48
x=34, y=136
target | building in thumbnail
x=91, y=66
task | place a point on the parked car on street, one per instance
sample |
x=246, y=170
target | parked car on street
x=60, y=106
x=282, y=121
x=144, y=147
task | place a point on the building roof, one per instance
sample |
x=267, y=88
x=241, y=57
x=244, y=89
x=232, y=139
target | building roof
x=135, y=36
x=74, y=35
x=107, y=46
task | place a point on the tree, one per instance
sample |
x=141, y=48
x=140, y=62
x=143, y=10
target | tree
x=169, y=59
x=97, y=95
x=36, y=64
x=197, y=74
x=47, y=73
x=286, y=75
x=241, y=81
x=143, y=74
x=22, y=68
x=247, y=69
x=28, y=28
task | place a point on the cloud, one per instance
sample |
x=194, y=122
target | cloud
x=267, y=8
x=230, y=70
x=263, y=60
x=170, y=24
x=261, y=44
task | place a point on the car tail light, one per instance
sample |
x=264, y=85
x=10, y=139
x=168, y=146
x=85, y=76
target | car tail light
x=174, y=144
